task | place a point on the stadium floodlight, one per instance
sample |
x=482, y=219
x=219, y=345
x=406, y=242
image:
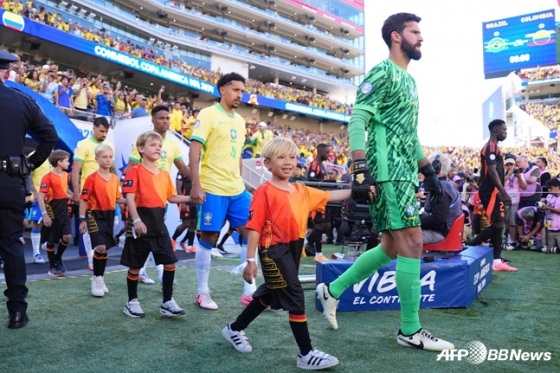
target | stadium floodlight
x=252, y=67
x=83, y=11
x=73, y=8
x=270, y=113
x=303, y=80
x=167, y=45
x=254, y=111
x=152, y=40
x=159, y=42
x=175, y=47
x=285, y=116
x=293, y=77
x=293, y=117
x=63, y=4
x=91, y=15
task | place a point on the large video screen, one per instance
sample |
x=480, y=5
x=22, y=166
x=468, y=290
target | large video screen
x=519, y=42
x=492, y=108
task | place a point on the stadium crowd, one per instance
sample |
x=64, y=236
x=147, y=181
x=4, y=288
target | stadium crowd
x=101, y=36
x=548, y=113
x=540, y=73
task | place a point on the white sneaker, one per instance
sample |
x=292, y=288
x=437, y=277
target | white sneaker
x=171, y=309
x=329, y=303
x=215, y=253
x=146, y=279
x=237, y=339
x=133, y=309
x=423, y=340
x=96, y=287
x=316, y=360
x=38, y=259
x=510, y=246
x=206, y=302
x=103, y=286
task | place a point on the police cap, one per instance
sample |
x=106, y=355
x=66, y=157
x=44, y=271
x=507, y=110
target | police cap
x=6, y=58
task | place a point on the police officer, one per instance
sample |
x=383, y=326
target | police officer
x=18, y=114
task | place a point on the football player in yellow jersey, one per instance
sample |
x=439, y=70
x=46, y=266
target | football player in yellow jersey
x=218, y=185
x=35, y=214
x=170, y=154
x=84, y=161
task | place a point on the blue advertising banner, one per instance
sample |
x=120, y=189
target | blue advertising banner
x=519, y=42
x=19, y=23
x=446, y=283
x=68, y=134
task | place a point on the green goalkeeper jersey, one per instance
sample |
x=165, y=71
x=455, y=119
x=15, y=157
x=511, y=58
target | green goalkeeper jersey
x=392, y=150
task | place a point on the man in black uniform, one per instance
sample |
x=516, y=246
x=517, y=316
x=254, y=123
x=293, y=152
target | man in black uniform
x=18, y=114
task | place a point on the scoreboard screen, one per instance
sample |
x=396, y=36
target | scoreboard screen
x=519, y=42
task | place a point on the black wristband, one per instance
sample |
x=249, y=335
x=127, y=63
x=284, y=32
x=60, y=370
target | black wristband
x=428, y=170
x=82, y=219
x=359, y=165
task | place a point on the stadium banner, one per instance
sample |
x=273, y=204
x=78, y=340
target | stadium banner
x=446, y=283
x=21, y=24
x=519, y=42
x=492, y=108
x=326, y=15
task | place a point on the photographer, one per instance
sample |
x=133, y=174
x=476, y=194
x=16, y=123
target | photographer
x=530, y=232
x=438, y=218
x=514, y=184
x=552, y=217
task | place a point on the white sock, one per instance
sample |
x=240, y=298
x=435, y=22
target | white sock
x=497, y=261
x=146, y=263
x=36, y=242
x=202, y=260
x=318, y=254
x=159, y=269
x=87, y=246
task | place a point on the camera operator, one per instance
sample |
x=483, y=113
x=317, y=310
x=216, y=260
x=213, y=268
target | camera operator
x=552, y=217
x=514, y=184
x=532, y=193
x=438, y=218
x=530, y=232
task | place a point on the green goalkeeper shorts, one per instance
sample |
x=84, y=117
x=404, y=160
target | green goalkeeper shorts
x=395, y=206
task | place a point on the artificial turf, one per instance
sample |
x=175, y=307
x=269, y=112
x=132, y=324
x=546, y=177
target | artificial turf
x=71, y=331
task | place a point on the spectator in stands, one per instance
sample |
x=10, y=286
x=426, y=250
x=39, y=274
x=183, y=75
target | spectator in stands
x=32, y=81
x=49, y=87
x=121, y=103
x=104, y=101
x=438, y=218
x=514, y=183
x=298, y=175
x=65, y=95
x=187, y=125
x=542, y=163
x=262, y=136
x=175, y=117
x=82, y=96
x=139, y=112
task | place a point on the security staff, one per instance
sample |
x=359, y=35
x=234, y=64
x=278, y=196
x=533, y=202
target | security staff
x=18, y=114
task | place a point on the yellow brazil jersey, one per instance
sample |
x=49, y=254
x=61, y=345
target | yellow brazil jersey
x=262, y=137
x=39, y=172
x=222, y=137
x=85, y=153
x=175, y=118
x=170, y=153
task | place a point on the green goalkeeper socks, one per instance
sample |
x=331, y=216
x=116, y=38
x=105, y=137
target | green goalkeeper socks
x=366, y=265
x=409, y=288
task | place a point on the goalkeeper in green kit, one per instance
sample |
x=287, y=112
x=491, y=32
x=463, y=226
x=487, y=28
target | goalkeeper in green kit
x=387, y=106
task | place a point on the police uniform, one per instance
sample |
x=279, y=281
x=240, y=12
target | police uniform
x=19, y=113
